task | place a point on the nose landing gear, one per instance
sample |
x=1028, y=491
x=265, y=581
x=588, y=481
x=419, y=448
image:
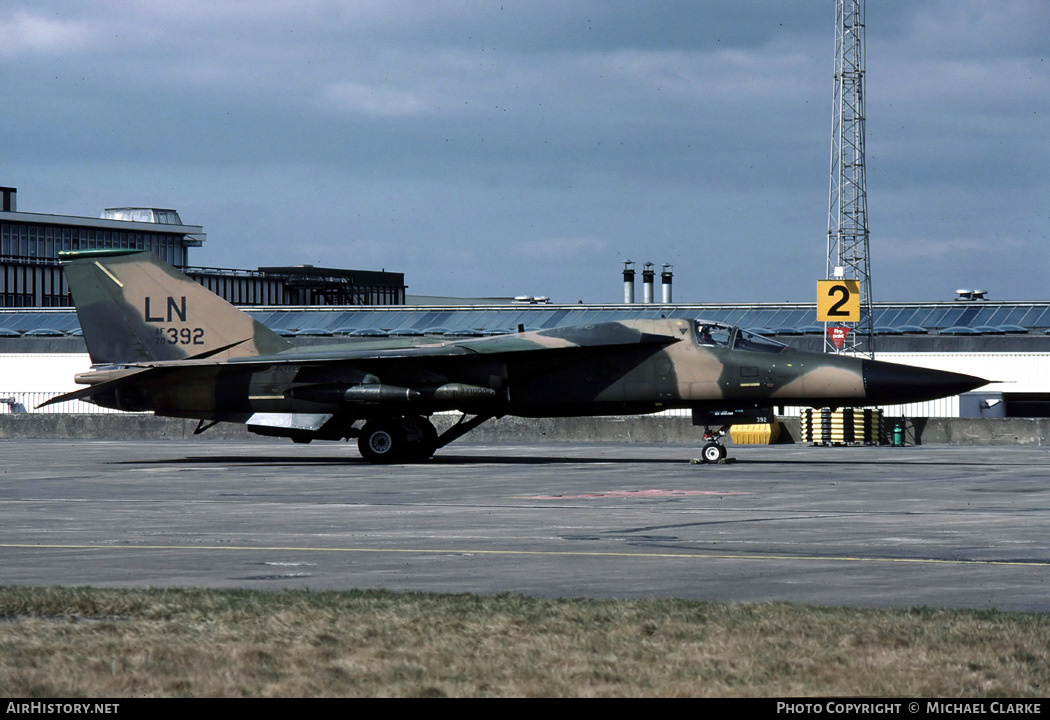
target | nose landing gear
x=714, y=452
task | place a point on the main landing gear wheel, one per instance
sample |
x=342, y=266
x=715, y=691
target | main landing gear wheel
x=382, y=442
x=713, y=452
x=406, y=439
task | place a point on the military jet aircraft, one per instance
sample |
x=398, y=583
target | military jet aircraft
x=160, y=342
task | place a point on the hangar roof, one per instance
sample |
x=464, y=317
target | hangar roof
x=979, y=317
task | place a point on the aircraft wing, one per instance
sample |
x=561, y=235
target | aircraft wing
x=546, y=347
x=603, y=336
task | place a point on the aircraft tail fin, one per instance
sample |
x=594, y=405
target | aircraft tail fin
x=134, y=307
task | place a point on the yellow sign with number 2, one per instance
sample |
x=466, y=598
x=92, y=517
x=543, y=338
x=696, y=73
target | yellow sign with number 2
x=838, y=300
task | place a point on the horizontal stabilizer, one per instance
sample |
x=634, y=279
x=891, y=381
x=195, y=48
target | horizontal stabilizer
x=131, y=378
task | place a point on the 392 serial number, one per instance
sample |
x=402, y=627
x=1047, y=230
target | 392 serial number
x=180, y=336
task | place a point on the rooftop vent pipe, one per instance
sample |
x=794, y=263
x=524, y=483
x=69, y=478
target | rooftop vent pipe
x=666, y=274
x=628, y=283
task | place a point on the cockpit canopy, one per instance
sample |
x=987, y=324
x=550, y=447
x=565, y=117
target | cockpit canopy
x=715, y=334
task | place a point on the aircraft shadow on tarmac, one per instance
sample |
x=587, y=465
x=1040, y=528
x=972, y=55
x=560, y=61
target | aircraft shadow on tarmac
x=439, y=461
x=444, y=460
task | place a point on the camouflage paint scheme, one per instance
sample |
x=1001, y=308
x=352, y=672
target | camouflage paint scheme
x=160, y=342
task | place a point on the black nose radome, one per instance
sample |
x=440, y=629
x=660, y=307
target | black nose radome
x=892, y=384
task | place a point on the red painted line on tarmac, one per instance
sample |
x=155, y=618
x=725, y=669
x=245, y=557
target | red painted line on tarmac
x=631, y=494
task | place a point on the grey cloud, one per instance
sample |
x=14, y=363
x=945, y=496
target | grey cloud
x=443, y=136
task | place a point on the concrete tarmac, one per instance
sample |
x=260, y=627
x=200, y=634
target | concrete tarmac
x=946, y=527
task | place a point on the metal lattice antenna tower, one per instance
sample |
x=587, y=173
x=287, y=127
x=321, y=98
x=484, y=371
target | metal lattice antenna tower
x=848, y=197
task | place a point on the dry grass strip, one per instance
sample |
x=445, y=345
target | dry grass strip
x=66, y=642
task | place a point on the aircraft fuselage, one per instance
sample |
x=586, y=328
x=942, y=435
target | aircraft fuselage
x=583, y=379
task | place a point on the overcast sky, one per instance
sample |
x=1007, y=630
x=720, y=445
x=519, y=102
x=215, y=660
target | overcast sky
x=531, y=146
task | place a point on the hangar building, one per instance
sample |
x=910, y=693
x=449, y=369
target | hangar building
x=30, y=275
x=40, y=347
x=1004, y=341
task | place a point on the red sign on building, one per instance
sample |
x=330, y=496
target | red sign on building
x=838, y=336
